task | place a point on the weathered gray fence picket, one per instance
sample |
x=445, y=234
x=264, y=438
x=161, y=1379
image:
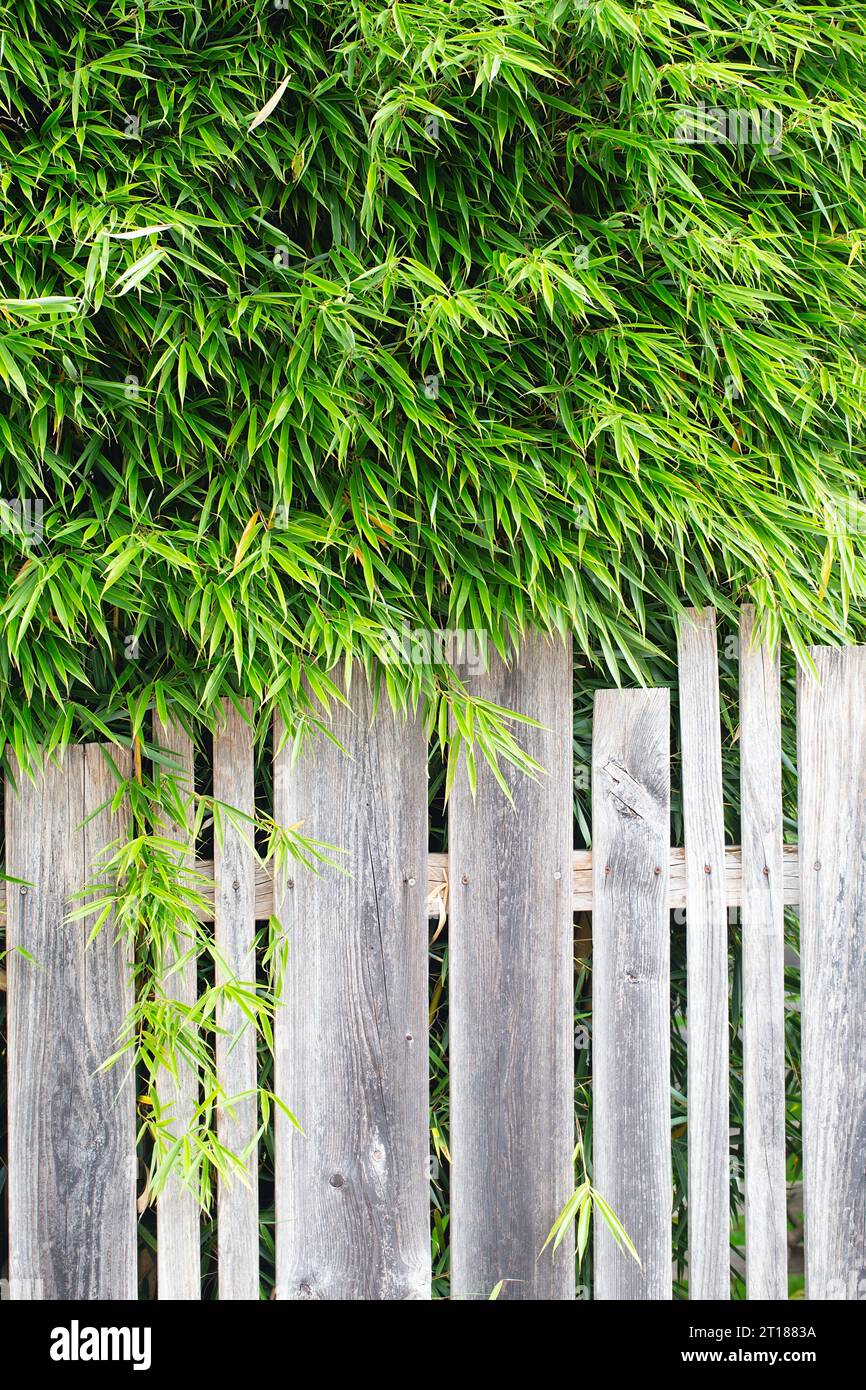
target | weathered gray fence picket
x=631, y=988
x=831, y=753
x=511, y=1031
x=178, y=1248
x=72, y=1180
x=352, y=1205
x=235, y=933
x=707, y=959
x=763, y=946
x=352, y=1214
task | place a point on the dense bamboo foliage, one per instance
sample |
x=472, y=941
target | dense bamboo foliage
x=318, y=320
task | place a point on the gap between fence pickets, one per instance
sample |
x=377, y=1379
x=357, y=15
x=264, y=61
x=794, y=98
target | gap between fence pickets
x=581, y=890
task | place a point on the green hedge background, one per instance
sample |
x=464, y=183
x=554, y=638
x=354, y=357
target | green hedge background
x=319, y=319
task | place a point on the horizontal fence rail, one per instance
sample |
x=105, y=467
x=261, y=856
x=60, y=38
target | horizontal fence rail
x=350, y=1044
x=438, y=882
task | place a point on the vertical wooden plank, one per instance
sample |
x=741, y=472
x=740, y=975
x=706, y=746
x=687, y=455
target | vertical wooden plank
x=72, y=1220
x=831, y=728
x=511, y=981
x=631, y=988
x=707, y=959
x=235, y=929
x=763, y=937
x=178, y=1246
x=352, y=1191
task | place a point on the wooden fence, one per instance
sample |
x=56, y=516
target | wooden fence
x=352, y=1209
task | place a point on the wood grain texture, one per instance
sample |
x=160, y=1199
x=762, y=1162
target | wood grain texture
x=352, y=1195
x=763, y=945
x=631, y=988
x=707, y=959
x=72, y=1220
x=831, y=730
x=178, y=1247
x=235, y=930
x=510, y=990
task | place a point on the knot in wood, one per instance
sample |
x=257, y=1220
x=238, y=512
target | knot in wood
x=630, y=798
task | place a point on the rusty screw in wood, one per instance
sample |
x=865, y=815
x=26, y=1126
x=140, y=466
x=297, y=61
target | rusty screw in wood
x=236, y=885
x=291, y=883
x=707, y=869
x=656, y=870
x=465, y=878
x=607, y=868
x=336, y=1179
x=766, y=871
